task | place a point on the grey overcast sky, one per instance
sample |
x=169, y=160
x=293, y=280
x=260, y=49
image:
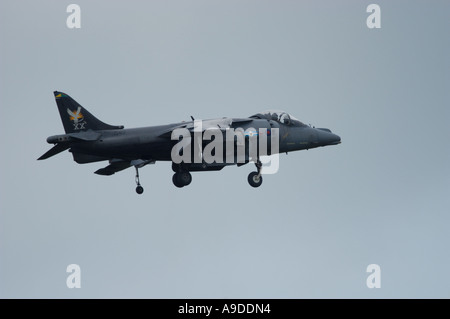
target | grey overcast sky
x=310, y=231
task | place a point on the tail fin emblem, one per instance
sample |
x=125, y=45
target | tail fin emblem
x=77, y=118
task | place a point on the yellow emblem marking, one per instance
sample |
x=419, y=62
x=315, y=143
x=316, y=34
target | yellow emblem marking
x=75, y=115
x=78, y=116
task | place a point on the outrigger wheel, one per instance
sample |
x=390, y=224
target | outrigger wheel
x=139, y=188
x=254, y=178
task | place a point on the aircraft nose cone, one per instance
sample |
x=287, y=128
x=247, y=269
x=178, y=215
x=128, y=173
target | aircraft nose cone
x=336, y=139
x=327, y=138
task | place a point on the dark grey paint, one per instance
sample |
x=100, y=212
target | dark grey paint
x=91, y=140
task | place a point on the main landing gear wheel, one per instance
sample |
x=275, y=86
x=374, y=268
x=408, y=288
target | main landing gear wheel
x=181, y=179
x=255, y=179
x=139, y=188
x=175, y=181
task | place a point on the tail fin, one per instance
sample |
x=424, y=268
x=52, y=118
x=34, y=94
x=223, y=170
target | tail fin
x=76, y=118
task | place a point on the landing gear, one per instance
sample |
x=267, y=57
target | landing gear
x=181, y=179
x=254, y=178
x=139, y=188
x=175, y=181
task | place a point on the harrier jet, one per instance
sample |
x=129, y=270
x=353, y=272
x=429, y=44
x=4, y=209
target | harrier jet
x=91, y=140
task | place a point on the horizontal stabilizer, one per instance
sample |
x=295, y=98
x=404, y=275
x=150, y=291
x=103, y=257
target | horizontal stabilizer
x=58, y=148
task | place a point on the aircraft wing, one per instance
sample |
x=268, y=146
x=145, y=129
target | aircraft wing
x=117, y=165
x=223, y=124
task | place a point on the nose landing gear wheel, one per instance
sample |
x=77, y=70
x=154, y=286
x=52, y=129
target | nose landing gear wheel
x=255, y=179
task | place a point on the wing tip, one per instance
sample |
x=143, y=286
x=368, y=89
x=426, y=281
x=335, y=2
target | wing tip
x=104, y=171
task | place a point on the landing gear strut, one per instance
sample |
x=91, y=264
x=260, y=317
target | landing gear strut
x=254, y=178
x=139, y=188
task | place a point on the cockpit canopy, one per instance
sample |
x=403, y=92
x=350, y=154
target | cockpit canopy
x=278, y=116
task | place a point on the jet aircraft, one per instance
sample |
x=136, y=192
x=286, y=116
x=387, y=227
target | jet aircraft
x=91, y=140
